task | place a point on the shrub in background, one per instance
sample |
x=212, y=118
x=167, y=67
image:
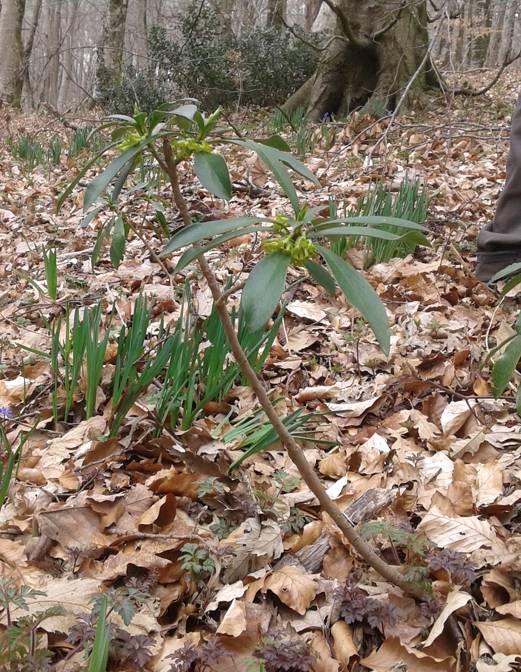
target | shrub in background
x=209, y=62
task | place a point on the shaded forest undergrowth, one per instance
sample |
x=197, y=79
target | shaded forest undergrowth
x=126, y=488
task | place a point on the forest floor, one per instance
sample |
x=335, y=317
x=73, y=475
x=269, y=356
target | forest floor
x=415, y=439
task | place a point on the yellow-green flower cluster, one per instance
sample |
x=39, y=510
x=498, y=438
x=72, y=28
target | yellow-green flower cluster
x=293, y=243
x=183, y=149
x=130, y=139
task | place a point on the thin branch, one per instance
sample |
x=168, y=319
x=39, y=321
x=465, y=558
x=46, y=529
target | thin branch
x=480, y=92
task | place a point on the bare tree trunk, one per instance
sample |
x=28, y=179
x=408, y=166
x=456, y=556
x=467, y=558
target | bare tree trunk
x=382, y=46
x=64, y=96
x=312, y=10
x=507, y=32
x=137, y=33
x=483, y=40
x=53, y=47
x=497, y=31
x=11, y=51
x=28, y=50
x=114, y=38
x=276, y=13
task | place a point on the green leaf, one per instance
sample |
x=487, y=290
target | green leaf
x=510, y=284
x=505, y=272
x=103, y=234
x=201, y=230
x=212, y=173
x=279, y=173
x=102, y=181
x=518, y=401
x=336, y=231
x=277, y=160
x=506, y=365
x=319, y=273
x=360, y=294
x=377, y=220
x=193, y=252
x=100, y=651
x=275, y=141
x=263, y=290
x=70, y=187
x=119, y=238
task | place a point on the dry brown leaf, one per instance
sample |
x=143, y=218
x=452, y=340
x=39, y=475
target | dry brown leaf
x=504, y=636
x=393, y=655
x=455, y=600
x=459, y=533
x=455, y=415
x=320, y=649
x=234, y=621
x=502, y=663
x=226, y=594
x=497, y=587
x=489, y=483
x=306, y=310
x=162, y=513
x=293, y=587
x=510, y=609
x=74, y=596
x=333, y=465
x=343, y=645
x=76, y=529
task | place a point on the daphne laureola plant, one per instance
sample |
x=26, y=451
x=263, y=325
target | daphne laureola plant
x=177, y=134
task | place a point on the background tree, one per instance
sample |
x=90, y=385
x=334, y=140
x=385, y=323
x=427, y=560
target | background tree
x=376, y=50
x=11, y=51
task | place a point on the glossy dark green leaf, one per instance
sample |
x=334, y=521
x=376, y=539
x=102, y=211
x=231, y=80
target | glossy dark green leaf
x=505, y=366
x=119, y=239
x=336, y=231
x=193, y=252
x=277, y=161
x=212, y=173
x=201, y=230
x=376, y=220
x=319, y=273
x=360, y=294
x=102, y=181
x=275, y=141
x=70, y=187
x=263, y=290
x=103, y=234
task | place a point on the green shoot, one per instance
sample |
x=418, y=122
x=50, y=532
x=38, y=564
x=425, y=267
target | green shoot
x=51, y=272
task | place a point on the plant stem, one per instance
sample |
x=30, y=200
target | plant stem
x=295, y=452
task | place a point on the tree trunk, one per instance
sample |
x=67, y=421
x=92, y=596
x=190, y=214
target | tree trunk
x=497, y=31
x=67, y=81
x=482, y=42
x=114, y=38
x=53, y=47
x=382, y=47
x=312, y=9
x=507, y=32
x=11, y=51
x=28, y=50
x=276, y=13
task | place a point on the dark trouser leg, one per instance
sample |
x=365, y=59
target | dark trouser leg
x=499, y=243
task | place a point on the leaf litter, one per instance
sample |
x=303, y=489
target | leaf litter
x=412, y=446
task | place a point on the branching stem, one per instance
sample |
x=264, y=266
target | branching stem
x=295, y=452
